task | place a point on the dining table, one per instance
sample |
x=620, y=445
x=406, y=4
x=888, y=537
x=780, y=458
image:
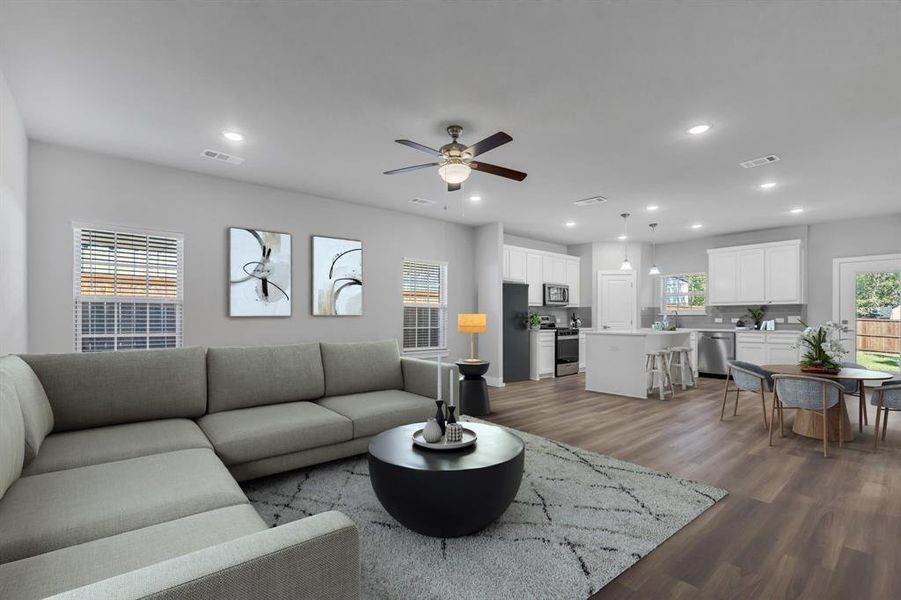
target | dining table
x=810, y=423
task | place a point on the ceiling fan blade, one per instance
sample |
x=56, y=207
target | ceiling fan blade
x=489, y=143
x=413, y=168
x=453, y=187
x=420, y=147
x=496, y=170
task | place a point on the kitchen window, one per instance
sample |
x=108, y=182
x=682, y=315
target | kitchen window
x=685, y=293
x=128, y=289
x=425, y=306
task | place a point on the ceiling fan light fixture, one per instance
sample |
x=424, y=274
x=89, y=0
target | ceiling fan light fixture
x=454, y=172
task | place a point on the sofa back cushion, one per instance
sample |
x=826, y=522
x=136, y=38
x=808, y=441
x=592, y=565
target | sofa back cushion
x=352, y=368
x=94, y=389
x=245, y=377
x=12, y=436
x=37, y=416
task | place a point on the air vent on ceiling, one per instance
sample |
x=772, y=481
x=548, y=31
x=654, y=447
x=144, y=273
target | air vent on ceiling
x=221, y=157
x=757, y=162
x=422, y=202
x=590, y=201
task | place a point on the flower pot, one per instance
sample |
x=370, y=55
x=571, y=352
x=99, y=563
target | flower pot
x=821, y=370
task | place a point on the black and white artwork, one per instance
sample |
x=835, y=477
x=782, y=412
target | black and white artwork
x=259, y=273
x=337, y=277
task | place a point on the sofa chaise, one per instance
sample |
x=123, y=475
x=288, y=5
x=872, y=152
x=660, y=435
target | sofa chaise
x=119, y=471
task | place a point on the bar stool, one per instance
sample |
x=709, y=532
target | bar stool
x=657, y=367
x=683, y=354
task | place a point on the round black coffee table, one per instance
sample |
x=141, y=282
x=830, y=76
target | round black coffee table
x=474, y=388
x=446, y=493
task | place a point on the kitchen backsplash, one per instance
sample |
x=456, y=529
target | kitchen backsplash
x=780, y=313
x=563, y=314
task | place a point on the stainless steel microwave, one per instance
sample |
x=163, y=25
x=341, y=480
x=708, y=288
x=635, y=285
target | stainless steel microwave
x=556, y=294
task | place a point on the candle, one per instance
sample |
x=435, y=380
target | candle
x=450, y=394
x=439, y=377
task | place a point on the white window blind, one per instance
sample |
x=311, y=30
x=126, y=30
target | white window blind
x=683, y=293
x=128, y=289
x=425, y=305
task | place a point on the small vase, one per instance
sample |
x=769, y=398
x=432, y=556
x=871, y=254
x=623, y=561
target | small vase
x=431, y=432
x=439, y=415
x=450, y=414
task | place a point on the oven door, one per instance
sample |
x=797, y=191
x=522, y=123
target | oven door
x=567, y=355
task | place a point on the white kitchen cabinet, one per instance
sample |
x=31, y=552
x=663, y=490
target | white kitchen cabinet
x=515, y=260
x=553, y=267
x=533, y=278
x=773, y=347
x=541, y=354
x=572, y=280
x=756, y=274
x=582, y=338
x=752, y=351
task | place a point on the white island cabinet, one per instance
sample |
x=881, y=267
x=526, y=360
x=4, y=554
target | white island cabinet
x=615, y=359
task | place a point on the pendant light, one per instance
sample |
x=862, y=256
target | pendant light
x=626, y=266
x=654, y=269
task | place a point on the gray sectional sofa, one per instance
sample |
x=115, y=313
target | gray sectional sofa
x=118, y=470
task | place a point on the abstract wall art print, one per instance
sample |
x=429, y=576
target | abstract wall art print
x=337, y=277
x=259, y=266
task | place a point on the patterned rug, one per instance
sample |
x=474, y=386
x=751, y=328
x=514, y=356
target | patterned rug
x=579, y=520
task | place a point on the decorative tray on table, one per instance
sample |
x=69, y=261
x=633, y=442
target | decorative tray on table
x=469, y=438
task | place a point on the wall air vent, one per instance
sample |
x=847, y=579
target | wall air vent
x=422, y=202
x=590, y=201
x=758, y=162
x=221, y=157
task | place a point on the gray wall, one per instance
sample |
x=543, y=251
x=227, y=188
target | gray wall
x=69, y=185
x=13, y=229
x=490, y=275
x=515, y=240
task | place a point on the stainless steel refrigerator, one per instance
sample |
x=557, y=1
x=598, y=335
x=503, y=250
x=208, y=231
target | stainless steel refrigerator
x=516, y=332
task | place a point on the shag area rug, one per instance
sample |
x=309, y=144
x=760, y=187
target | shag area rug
x=579, y=520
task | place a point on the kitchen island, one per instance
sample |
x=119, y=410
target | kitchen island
x=615, y=358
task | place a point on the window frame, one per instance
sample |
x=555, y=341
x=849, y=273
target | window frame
x=119, y=302
x=443, y=348
x=702, y=311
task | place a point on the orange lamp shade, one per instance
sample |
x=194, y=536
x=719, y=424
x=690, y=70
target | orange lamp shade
x=472, y=322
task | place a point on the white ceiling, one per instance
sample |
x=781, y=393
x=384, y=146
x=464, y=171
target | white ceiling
x=597, y=97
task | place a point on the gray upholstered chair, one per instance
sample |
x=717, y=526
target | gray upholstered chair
x=852, y=388
x=885, y=398
x=807, y=393
x=747, y=377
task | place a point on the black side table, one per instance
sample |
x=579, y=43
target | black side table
x=474, y=389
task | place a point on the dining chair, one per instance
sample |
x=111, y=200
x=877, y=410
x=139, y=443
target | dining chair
x=885, y=398
x=852, y=387
x=747, y=377
x=808, y=393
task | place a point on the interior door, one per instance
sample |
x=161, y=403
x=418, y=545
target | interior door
x=617, y=300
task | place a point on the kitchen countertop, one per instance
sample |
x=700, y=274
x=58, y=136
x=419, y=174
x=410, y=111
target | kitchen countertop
x=649, y=331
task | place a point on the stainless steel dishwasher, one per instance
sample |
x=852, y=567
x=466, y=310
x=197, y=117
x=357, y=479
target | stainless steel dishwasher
x=715, y=349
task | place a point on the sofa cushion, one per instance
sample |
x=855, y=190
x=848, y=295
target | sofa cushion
x=81, y=564
x=54, y=510
x=245, y=377
x=72, y=449
x=93, y=389
x=37, y=416
x=374, y=412
x=351, y=368
x=12, y=436
x=263, y=431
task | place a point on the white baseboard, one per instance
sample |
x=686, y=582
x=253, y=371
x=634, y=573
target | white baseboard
x=494, y=381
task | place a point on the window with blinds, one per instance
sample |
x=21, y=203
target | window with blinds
x=128, y=289
x=425, y=305
x=683, y=293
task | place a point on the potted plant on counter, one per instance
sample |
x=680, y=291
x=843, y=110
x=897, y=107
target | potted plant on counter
x=822, y=348
x=756, y=313
x=534, y=320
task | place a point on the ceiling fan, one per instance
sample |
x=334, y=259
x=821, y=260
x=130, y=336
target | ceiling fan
x=456, y=160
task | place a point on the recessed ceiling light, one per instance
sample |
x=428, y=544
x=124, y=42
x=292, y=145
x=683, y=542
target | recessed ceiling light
x=696, y=225
x=796, y=211
x=475, y=198
x=651, y=207
x=570, y=223
x=233, y=136
x=768, y=185
x=699, y=129
x=622, y=237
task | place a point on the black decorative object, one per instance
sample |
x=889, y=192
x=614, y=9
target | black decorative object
x=439, y=416
x=446, y=494
x=474, y=389
x=450, y=415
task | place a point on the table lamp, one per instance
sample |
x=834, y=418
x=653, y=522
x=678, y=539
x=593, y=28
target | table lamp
x=472, y=324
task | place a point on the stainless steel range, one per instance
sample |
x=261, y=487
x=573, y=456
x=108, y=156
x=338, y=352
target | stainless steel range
x=566, y=352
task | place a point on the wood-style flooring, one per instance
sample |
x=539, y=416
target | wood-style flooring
x=795, y=524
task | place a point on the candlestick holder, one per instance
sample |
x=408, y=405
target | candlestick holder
x=439, y=415
x=450, y=415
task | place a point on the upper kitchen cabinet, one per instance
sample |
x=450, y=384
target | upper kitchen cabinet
x=514, y=264
x=573, y=274
x=756, y=274
x=553, y=266
x=536, y=267
x=533, y=278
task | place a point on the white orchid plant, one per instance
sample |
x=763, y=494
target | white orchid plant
x=822, y=346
